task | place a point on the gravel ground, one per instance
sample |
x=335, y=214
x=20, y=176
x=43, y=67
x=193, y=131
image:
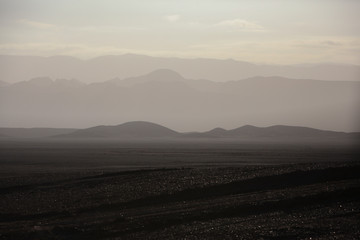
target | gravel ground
x=298, y=201
x=72, y=192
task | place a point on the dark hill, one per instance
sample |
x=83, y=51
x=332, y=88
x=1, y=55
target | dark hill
x=164, y=75
x=142, y=129
x=136, y=129
x=282, y=131
x=277, y=132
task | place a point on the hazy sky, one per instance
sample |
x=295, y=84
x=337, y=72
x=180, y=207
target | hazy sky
x=268, y=31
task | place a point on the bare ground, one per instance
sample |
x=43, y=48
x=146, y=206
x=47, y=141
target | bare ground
x=281, y=201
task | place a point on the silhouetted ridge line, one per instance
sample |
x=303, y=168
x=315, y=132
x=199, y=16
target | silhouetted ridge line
x=142, y=129
x=164, y=74
x=137, y=129
x=280, y=130
x=155, y=95
x=107, y=67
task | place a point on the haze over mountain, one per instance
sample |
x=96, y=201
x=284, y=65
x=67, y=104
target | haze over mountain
x=21, y=68
x=141, y=130
x=249, y=131
x=137, y=129
x=33, y=132
x=165, y=97
x=3, y=84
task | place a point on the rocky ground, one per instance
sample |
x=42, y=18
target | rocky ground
x=286, y=201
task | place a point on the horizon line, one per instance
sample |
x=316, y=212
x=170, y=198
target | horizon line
x=182, y=58
x=142, y=121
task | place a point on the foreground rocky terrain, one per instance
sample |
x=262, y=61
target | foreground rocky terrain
x=298, y=201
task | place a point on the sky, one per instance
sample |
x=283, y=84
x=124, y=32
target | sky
x=258, y=31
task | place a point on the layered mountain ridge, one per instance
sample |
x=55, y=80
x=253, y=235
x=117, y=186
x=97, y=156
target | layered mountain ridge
x=125, y=66
x=148, y=130
x=164, y=96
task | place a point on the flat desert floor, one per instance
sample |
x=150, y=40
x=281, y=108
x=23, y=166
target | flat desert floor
x=55, y=190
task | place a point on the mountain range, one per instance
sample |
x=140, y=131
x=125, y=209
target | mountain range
x=21, y=68
x=164, y=96
x=147, y=130
x=136, y=129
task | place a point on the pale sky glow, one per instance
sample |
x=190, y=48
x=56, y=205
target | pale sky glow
x=261, y=31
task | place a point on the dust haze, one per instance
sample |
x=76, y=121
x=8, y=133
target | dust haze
x=179, y=119
x=166, y=97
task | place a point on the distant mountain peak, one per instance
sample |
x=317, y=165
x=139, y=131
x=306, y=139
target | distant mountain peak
x=135, y=129
x=247, y=127
x=148, y=130
x=217, y=130
x=164, y=74
x=159, y=75
x=139, y=124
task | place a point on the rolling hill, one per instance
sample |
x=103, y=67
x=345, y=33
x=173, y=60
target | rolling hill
x=276, y=131
x=136, y=129
x=142, y=130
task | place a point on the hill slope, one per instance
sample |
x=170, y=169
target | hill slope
x=33, y=132
x=277, y=131
x=143, y=130
x=136, y=129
